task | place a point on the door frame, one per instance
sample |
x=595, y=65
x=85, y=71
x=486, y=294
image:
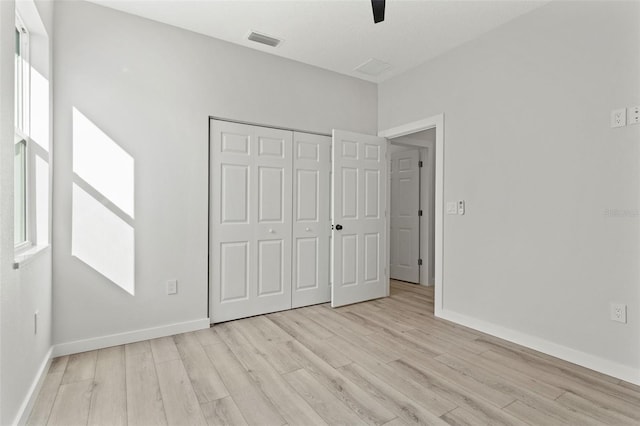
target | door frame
x=437, y=122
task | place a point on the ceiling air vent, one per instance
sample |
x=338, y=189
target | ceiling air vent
x=373, y=67
x=264, y=39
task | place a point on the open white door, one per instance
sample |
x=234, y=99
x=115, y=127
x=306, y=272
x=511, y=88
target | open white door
x=359, y=201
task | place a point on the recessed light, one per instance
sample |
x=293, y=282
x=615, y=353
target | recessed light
x=264, y=39
x=373, y=67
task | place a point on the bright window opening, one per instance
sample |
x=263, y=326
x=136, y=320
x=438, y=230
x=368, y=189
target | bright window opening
x=23, y=233
x=20, y=193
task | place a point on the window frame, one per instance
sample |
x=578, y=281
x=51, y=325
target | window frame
x=22, y=121
x=20, y=200
x=22, y=78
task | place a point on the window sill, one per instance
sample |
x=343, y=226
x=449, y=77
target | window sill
x=27, y=256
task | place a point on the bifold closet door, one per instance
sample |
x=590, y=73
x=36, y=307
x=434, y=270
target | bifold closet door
x=250, y=214
x=311, y=223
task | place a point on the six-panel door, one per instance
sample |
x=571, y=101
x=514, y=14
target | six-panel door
x=250, y=230
x=311, y=223
x=271, y=203
x=405, y=222
x=359, y=202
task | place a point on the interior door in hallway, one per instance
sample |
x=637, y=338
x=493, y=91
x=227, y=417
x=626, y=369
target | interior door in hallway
x=405, y=219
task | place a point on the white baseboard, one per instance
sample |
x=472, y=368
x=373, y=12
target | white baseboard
x=34, y=390
x=128, y=337
x=584, y=359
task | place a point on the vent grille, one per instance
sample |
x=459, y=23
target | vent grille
x=264, y=39
x=373, y=67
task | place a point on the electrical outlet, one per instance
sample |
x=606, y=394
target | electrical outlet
x=634, y=115
x=172, y=286
x=619, y=312
x=619, y=117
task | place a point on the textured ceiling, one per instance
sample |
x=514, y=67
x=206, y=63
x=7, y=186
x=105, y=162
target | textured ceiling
x=338, y=35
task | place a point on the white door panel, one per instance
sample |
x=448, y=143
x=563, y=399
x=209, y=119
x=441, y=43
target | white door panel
x=359, y=201
x=311, y=223
x=270, y=267
x=234, y=271
x=251, y=209
x=405, y=222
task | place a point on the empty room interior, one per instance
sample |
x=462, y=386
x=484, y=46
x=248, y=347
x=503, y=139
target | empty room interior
x=319, y=212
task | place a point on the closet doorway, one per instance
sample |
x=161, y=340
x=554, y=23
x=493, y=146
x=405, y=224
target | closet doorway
x=286, y=220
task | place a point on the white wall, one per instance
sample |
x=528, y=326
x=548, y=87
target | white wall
x=151, y=88
x=8, y=279
x=25, y=354
x=528, y=146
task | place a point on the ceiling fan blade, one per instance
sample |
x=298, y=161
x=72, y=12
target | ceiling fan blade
x=378, y=10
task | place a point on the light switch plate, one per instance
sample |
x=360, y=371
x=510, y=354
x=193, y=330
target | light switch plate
x=634, y=115
x=452, y=207
x=619, y=117
x=172, y=286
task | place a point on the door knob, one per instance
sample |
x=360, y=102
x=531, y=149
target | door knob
x=338, y=227
x=271, y=231
x=307, y=229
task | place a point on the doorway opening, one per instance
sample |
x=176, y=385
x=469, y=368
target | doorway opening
x=412, y=215
x=428, y=135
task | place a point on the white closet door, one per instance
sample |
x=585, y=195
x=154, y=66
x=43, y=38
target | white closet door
x=311, y=223
x=359, y=202
x=250, y=232
x=405, y=222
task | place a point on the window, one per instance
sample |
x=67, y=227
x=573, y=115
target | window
x=22, y=180
x=22, y=78
x=20, y=193
x=18, y=81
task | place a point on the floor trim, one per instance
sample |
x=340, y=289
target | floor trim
x=128, y=337
x=565, y=353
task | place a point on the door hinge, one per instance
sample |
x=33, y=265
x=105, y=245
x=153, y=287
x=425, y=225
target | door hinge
x=419, y=262
x=420, y=163
x=419, y=212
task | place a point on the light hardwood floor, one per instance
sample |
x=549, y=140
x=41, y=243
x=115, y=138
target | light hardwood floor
x=384, y=362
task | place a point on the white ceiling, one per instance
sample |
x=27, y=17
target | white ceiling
x=338, y=35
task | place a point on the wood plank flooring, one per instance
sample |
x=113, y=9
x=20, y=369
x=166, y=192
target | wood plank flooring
x=385, y=362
